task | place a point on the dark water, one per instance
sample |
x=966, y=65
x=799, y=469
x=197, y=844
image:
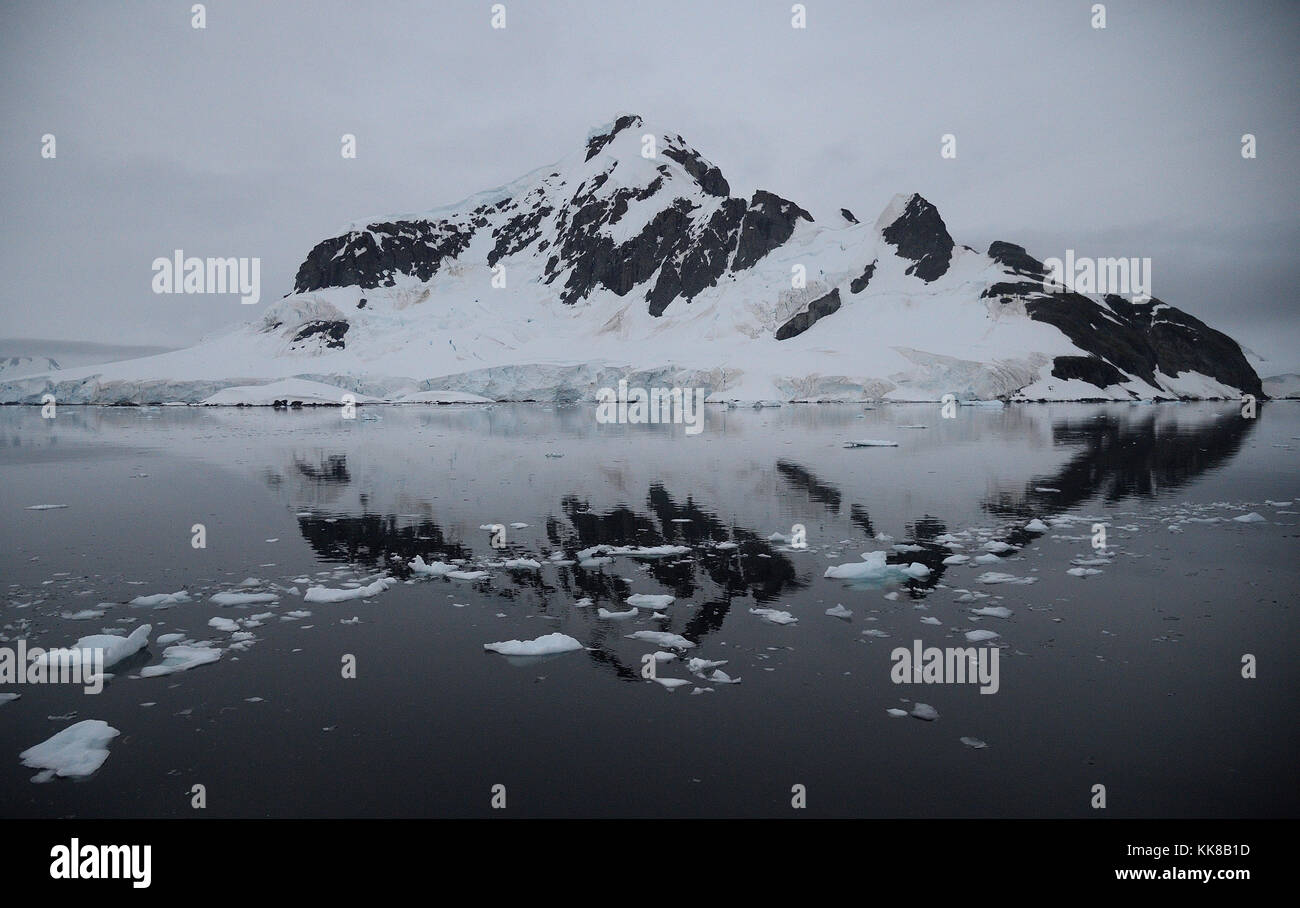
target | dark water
x=1130, y=677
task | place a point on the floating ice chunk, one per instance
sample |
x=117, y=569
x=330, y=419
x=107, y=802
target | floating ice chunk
x=874, y=632
x=181, y=658
x=223, y=624
x=905, y=547
x=647, y=600
x=721, y=677
x=114, y=647
x=45, y=507
x=1089, y=562
x=518, y=526
x=436, y=569
x=993, y=611
x=727, y=545
x=662, y=638
x=161, y=600
x=165, y=639
x=654, y=551
x=924, y=711
x=1036, y=526
x=1045, y=489
x=244, y=598
x=1252, y=517
x=996, y=577
x=929, y=620
x=84, y=615
x=987, y=559
x=871, y=443
x=839, y=611
x=874, y=567
x=297, y=613
x=1082, y=571
x=664, y=657
x=698, y=666
x=594, y=562
x=606, y=613
x=250, y=581
x=467, y=575
x=523, y=564
x=981, y=635
x=1278, y=504
x=913, y=427
x=584, y=602
x=5, y=698
x=672, y=683
x=774, y=615
x=973, y=742
x=541, y=646
x=956, y=559
x=75, y=752
x=998, y=547
x=325, y=594
x=896, y=713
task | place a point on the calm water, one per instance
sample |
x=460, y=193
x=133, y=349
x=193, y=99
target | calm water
x=1129, y=677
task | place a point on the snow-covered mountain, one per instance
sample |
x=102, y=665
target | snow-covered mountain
x=631, y=258
x=18, y=366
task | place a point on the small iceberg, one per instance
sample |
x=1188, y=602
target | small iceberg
x=75, y=752
x=547, y=645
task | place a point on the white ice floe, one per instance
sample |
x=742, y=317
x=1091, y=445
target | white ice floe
x=721, y=677
x=956, y=559
x=223, y=624
x=45, y=507
x=165, y=639
x=661, y=656
x=874, y=567
x=929, y=620
x=998, y=547
x=584, y=602
x=1082, y=571
x=981, y=635
x=924, y=711
x=1252, y=517
x=874, y=632
x=662, y=638
x=436, y=569
x=973, y=742
x=161, y=600
x=325, y=594
x=839, y=611
x=896, y=713
x=181, y=658
x=776, y=616
x=244, y=598
x=523, y=564
x=1036, y=526
x=871, y=443
x=672, y=683
x=84, y=615
x=115, y=648
x=76, y=751
x=993, y=611
x=997, y=577
x=606, y=613
x=698, y=666
x=541, y=646
x=647, y=600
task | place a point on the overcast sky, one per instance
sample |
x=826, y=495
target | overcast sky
x=225, y=141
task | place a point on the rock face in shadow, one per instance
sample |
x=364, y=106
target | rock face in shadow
x=919, y=234
x=817, y=309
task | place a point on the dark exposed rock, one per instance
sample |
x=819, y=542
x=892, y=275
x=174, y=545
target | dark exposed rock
x=817, y=309
x=848, y=216
x=709, y=177
x=1016, y=259
x=858, y=284
x=596, y=143
x=330, y=332
x=767, y=224
x=1092, y=369
x=919, y=234
x=409, y=247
